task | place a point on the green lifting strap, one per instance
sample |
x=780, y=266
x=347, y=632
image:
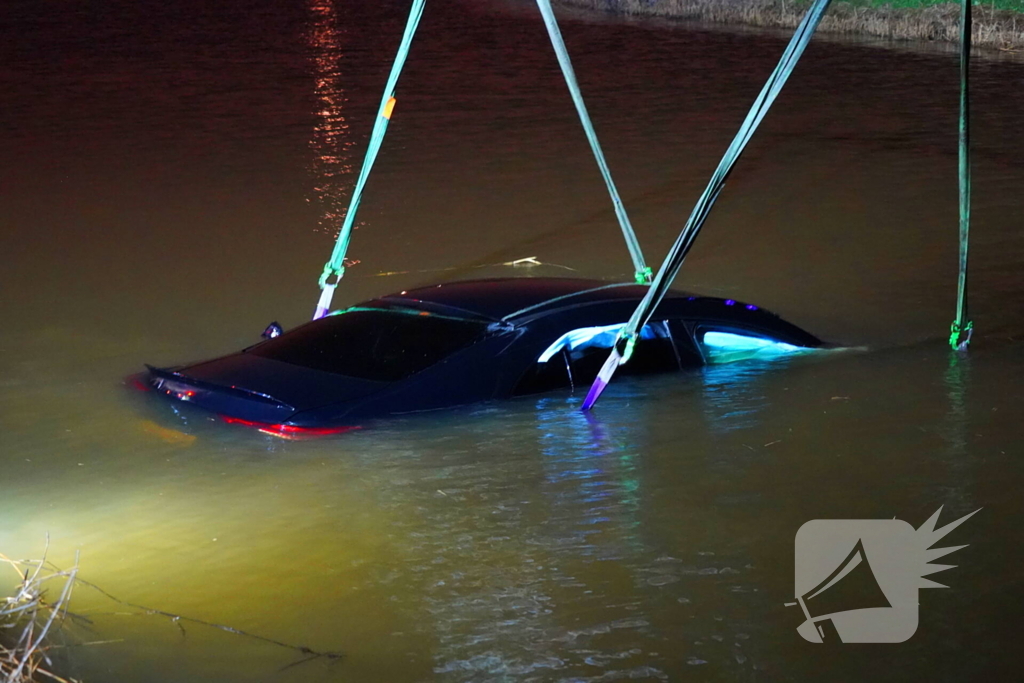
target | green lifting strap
x=336, y=265
x=961, y=329
x=674, y=260
x=642, y=272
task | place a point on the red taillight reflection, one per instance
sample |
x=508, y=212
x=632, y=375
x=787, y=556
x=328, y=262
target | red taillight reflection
x=138, y=384
x=288, y=431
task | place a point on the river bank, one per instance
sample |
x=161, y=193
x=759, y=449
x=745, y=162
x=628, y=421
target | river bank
x=998, y=25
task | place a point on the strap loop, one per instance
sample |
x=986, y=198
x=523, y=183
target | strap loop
x=330, y=270
x=625, y=344
x=955, y=332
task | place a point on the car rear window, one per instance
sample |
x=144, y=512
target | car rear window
x=382, y=345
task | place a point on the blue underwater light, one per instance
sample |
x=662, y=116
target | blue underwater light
x=726, y=347
x=602, y=337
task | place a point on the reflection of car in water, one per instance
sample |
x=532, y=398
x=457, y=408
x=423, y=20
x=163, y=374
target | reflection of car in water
x=463, y=342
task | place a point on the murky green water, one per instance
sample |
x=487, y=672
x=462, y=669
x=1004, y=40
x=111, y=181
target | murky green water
x=170, y=180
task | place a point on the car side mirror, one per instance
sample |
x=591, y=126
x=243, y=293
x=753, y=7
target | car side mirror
x=273, y=330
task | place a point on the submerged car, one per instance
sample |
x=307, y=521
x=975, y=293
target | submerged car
x=462, y=342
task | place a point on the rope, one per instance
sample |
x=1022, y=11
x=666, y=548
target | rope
x=961, y=329
x=674, y=260
x=643, y=273
x=336, y=265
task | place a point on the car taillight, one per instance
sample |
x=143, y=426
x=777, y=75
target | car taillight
x=284, y=431
x=178, y=390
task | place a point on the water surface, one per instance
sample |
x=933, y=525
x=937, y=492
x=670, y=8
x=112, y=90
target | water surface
x=172, y=178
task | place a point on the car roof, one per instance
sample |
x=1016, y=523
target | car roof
x=510, y=298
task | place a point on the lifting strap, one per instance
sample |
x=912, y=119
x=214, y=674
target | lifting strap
x=642, y=272
x=961, y=329
x=674, y=260
x=336, y=265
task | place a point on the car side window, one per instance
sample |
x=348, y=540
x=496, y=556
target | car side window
x=575, y=358
x=728, y=344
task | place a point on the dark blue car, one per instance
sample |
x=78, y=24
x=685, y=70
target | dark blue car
x=462, y=342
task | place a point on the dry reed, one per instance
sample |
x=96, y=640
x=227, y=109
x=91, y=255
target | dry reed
x=30, y=624
x=30, y=621
x=999, y=29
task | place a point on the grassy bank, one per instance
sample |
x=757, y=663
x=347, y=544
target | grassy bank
x=997, y=25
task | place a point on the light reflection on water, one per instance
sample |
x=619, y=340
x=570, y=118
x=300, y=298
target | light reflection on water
x=730, y=398
x=332, y=141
